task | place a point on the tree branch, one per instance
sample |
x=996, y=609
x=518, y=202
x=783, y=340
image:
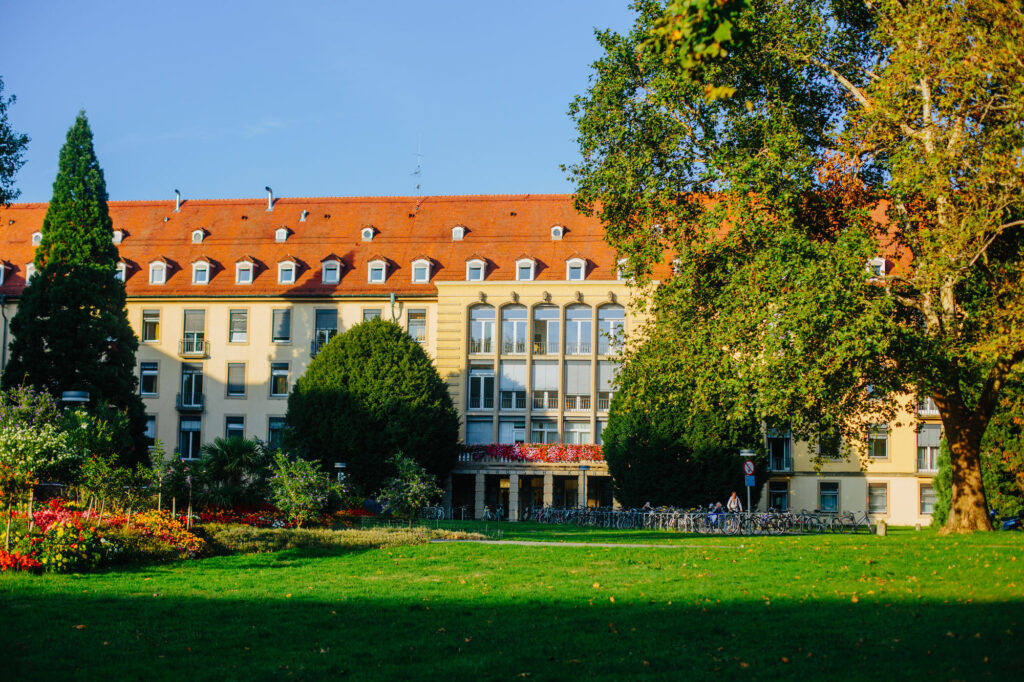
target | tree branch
x=993, y=385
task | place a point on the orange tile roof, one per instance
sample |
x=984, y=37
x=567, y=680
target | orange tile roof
x=499, y=228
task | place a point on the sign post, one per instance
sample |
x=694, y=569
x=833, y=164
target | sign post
x=748, y=472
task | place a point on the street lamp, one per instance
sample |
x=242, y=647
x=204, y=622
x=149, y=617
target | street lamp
x=340, y=466
x=585, y=468
x=70, y=398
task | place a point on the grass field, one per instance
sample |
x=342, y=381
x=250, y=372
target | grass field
x=913, y=605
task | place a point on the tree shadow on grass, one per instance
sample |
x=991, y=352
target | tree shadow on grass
x=232, y=633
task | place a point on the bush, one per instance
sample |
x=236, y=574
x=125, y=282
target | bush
x=300, y=489
x=369, y=393
x=410, y=490
x=132, y=545
x=247, y=540
x=64, y=547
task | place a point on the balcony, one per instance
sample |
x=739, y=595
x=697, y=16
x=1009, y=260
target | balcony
x=513, y=400
x=481, y=346
x=608, y=347
x=317, y=344
x=513, y=348
x=926, y=407
x=577, y=403
x=194, y=347
x=545, y=400
x=545, y=348
x=577, y=348
x=780, y=463
x=190, y=402
x=604, y=400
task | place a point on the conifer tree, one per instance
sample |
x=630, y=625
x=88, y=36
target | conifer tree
x=71, y=330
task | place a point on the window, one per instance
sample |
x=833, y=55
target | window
x=279, y=379
x=234, y=427
x=191, y=396
x=281, y=234
x=606, y=372
x=545, y=330
x=481, y=329
x=876, y=267
x=578, y=383
x=275, y=432
x=878, y=441
x=377, y=272
x=927, y=498
x=622, y=272
x=778, y=495
x=417, y=324
x=197, y=236
x=511, y=432
x=513, y=385
x=576, y=433
x=543, y=432
x=150, y=432
x=475, y=270
x=118, y=236
x=236, y=379
x=157, y=273
x=201, y=273
x=420, y=271
x=524, y=269
x=479, y=432
x=458, y=233
x=189, y=438
x=829, y=443
x=371, y=314
x=331, y=273
x=556, y=232
x=121, y=272
x=878, y=498
x=193, y=340
x=575, y=269
x=545, y=385
x=238, y=326
x=927, y=406
x=326, y=329
x=150, y=326
x=282, y=326
x=243, y=273
x=367, y=234
x=828, y=496
x=578, y=326
x=37, y=238
x=481, y=389
x=30, y=270
x=513, y=330
x=611, y=329
x=148, y=373
x=779, y=450
x=3, y=271
x=928, y=439
x=286, y=272
x=598, y=430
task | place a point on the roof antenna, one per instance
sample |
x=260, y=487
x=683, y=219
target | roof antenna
x=419, y=171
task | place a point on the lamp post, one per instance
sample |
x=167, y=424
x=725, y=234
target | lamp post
x=585, y=468
x=70, y=398
x=340, y=466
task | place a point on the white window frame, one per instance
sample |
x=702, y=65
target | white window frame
x=526, y=262
x=30, y=269
x=557, y=232
x=153, y=370
x=876, y=267
x=481, y=377
x=201, y=267
x=158, y=272
x=120, y=273
x=376, y=266
x=878, y=432
x=575, y=263
x=884, y=485
x=367, y=234
x=276, y=371
x=37, y=238
x=198, y=236
x=117, y=236
x=281, y=235
x=286, y=266
x=471, y=265
x=244, y=266
x=424, y=264
x=458, y=233
x=330, y=271
x=3, y=271
x=620, y=269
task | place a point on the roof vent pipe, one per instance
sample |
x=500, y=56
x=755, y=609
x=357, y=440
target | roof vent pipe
x=302, y=218
x=270, y=198
x=177, y=201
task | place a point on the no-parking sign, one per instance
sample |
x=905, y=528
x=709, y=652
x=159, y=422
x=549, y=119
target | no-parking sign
x=748, y=468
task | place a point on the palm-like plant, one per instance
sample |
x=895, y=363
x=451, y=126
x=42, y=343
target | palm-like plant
x=235, y=461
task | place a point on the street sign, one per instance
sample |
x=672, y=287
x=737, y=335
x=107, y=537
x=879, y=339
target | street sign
x=749, y=484
x=748, y=469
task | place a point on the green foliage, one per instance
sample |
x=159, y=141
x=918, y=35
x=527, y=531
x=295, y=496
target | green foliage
x=369, y=393
x=943, y=488
x=300, y=489
x=236, y=469
x=843, y=113
x=410, y=490
x=229, y=539
x=129, y=545
x=64, y=547
x=12, y=151
x=71, y=330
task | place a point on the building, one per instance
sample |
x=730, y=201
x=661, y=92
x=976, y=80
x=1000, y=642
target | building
x=518, y=299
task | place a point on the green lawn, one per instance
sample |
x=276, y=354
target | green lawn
x=914, y=605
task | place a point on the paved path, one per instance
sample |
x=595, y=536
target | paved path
x=535, y=543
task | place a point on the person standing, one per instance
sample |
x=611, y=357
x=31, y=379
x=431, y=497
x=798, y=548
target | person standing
x=734, y=504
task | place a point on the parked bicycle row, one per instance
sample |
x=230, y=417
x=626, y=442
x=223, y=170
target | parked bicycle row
x=707, y=521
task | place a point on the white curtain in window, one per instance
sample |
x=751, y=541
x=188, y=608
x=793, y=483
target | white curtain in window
x=606, y=372
x=545, y=376
x=577, y=377
x=929, y=436
x=513, y=376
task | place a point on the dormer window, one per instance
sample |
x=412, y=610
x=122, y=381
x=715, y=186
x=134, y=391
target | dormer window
x=377, y=271
x=476, y=270
x=368, y=234
x=622, y=272
x=121, y=272
x=421, y=271
x=200, y=272
x=118, y=236
x=525, y=268
x=243, y=272
x=281, y=234
x=331, y=271
x=198, y=235
x=3, y=271
x=575, y=269
x=458, y=233
x=876, y=267
x=37, y=238
x=286, y=272
x=30, y=270
x=157, y=272
x=557, y=232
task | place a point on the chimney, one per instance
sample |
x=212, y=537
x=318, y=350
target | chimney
x=302, y=218
x=177, y=201
x=270, y=198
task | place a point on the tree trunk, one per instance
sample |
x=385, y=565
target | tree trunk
x=968, y=507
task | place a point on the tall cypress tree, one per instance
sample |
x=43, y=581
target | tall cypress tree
x=71, y=330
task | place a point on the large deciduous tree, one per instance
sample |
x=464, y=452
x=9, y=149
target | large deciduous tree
x=369, y=393
x=887, y=133
x=12, y=151
x=71, y=330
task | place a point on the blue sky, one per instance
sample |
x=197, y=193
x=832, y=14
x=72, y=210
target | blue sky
x=219, y=99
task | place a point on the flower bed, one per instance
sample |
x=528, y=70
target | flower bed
x=16, y=561
x=535, y=452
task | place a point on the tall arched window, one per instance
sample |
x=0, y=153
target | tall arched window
x=481, y=329
x=513, y=330
x=545, y=330
x=579, y=321
x=611, y=321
